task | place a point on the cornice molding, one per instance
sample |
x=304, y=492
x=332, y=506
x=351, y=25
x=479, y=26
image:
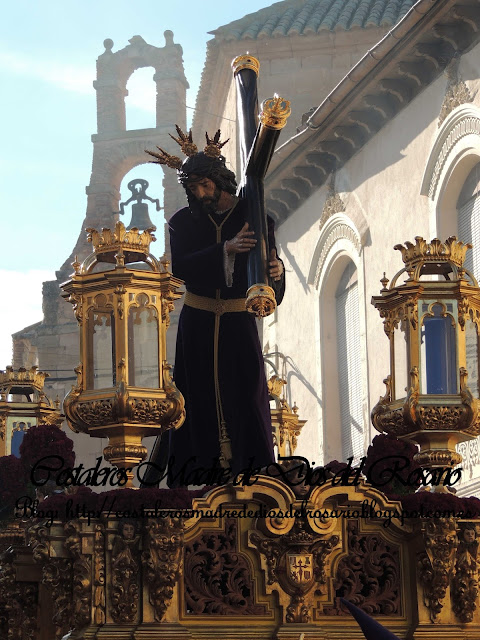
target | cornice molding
x=410, y=57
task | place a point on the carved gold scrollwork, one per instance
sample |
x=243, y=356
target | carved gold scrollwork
x=470, y=404
x=149, y=410
x=464, y=589
x=121, y=403
x=390, y=321
x=177, y=411
x=57, y=577
x=393, y=317
x=39, y=541
x=440, y=417
x=388, y=391
x=52, y=419
x=124, y=574
x=79, y=371
x=96, y=412
x=463, y=312
x=70, y=407
x=386, y=418
x=82, y=575
x=119, y=291
x=3, y=427
x=411, y=311
x=99, y=575
x=370, y=573
x=412, y=395
x=218, y=577
x=167, y=307
x=168, y=411
x=18, y=602
x=122, y=374
x=161, y=560
x=275, y=386
x=76, y=301
x=435, y=564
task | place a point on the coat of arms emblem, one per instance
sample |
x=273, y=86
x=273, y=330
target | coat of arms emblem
x=300, y=568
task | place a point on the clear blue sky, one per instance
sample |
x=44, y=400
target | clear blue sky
x=48, y=50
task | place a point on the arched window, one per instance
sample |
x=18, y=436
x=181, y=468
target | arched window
x=468, y=208
x=349, y=363
x=141, y=99
x=337, y=274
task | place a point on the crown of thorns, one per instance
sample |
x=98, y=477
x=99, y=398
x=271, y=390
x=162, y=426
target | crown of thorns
x=212, y=148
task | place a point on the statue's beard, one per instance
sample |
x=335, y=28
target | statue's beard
x=210, y=205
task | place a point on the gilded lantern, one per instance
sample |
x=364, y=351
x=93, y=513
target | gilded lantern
x=286, y=425
x=23, y=404
x=431, y=313
x=122, y=297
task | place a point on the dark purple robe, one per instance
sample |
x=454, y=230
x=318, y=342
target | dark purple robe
x=197, y=258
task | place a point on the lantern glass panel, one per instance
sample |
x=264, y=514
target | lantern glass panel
x=288, y=451
x=471, y=343
x=401, y=360
x=438, y=352
x=18, y=433
x=143, y=361
x=103, y=350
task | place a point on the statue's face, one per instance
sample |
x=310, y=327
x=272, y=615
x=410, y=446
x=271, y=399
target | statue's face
x=128, y=531
x=205, y=191
x=301, y=490
x=469, y=535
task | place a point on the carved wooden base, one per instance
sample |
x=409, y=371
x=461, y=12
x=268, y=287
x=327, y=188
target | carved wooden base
x=311, y=632
x=348, y=630
x=90, y=633
x=115, y=632
x=153, y=631
x=165, y=631
x=250, y=631
x=227, y=578
x=423, y=632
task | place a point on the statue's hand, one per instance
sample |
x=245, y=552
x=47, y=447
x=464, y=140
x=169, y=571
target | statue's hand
x=242, y=242
x=275, y=270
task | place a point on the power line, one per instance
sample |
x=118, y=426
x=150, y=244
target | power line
x=212, y=114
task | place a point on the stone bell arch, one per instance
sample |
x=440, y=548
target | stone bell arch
x=53, y=341
x=117, y=150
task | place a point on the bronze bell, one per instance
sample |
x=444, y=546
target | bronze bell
x=140, y=216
